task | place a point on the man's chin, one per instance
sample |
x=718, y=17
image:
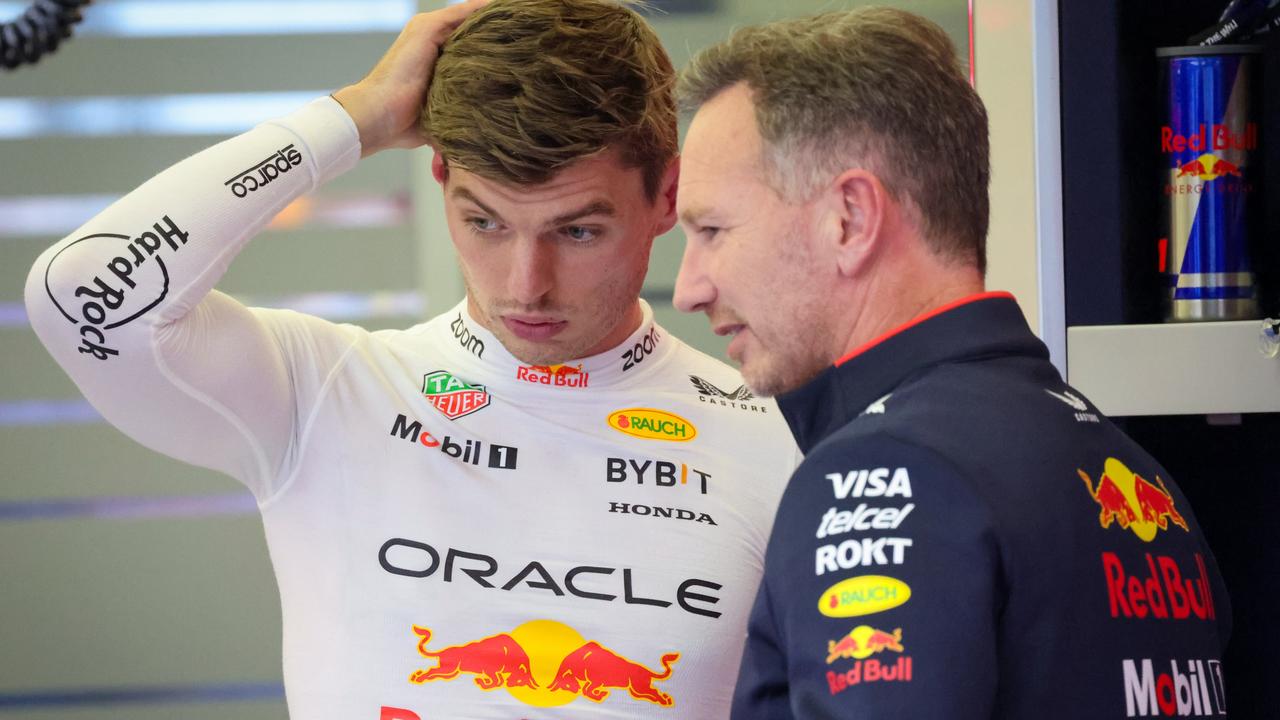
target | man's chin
x=539, y=353
x=761, y=381
x=771, y=381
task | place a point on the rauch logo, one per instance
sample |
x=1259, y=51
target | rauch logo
x=652, y=425
x=863, y=595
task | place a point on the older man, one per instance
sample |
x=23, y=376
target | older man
x=967, y=537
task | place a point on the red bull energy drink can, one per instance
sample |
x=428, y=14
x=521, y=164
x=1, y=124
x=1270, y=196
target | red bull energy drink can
x=1209, y=141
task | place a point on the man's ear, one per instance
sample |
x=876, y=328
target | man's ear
x=667, y=190
x=861, y=204
x=439, y=169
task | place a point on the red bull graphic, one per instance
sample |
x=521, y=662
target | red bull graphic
x=555, y=375
x=1207, y=167
x=1132, y=502
x=451, y=396
x=496, y=662
x=545, y=663
x=592, y=668
x=863, y=642
x=1195, y=168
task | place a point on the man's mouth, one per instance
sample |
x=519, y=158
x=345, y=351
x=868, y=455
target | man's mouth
x=535, y=328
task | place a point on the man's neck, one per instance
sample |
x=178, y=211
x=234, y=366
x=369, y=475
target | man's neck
x=896, y=297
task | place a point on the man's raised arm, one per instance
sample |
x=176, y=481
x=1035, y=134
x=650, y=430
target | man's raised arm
x=126, y=305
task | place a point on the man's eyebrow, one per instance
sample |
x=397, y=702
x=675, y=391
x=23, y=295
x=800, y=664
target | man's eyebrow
x=461, y=193
x=692, y=215
x=597, y=207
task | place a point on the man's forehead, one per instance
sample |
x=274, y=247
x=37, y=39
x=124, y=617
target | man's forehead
x=722, y=137
x=726, y=119
x=722, y=154
x=599, y=183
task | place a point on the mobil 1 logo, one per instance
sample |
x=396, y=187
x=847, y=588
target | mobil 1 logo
x=499, y=457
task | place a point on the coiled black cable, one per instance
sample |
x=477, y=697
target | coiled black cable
x=38, y=30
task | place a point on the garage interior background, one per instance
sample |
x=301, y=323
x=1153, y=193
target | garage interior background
x=132, y=586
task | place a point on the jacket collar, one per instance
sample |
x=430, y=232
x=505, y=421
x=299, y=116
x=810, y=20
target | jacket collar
x=984, y=325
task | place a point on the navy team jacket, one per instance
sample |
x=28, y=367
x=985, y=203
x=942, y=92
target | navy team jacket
x=968, y=537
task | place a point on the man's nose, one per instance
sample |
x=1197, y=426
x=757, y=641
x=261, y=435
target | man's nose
x=694, y=289
x=533, y=270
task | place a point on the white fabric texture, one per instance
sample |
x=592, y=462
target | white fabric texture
x=455, y=534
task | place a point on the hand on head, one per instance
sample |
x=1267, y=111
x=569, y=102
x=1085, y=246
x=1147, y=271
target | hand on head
x=385, y=105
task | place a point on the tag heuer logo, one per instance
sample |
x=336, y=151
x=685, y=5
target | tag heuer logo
x=706, y=388
x=451, y=396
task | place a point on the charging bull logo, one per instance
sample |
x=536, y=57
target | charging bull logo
x=1132, y=502
x=863, y=642
x=496, y=661
x=1208, y=167
x=545, y=663
x=593, y=667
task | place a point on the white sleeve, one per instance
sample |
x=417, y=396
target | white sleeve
x=126, y=303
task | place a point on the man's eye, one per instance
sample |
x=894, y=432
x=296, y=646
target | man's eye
x=709, y=231
x=580, y=233
x=482, y=224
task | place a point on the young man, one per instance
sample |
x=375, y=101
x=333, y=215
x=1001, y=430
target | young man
x=531, y=505
x=967, y=536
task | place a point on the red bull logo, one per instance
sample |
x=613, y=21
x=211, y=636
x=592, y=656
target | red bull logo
x=869, y=671
x=451, y=396
x=1209, y=137
x=1132, y=502
x=1207, y=167
x=863, y=642
x=545, y=663
x=496, y=661
x=554, y=375
x=1163, y=592
x=593, y=668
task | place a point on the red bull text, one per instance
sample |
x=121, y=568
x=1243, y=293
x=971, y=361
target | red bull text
x=1159, y=590
x=869, y=671
x=859, y=645
x=564, y=376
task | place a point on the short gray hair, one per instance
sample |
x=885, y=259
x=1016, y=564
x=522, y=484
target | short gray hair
x=874, y=87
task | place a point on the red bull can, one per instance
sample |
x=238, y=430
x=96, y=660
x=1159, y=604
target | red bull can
x=1209, y=140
